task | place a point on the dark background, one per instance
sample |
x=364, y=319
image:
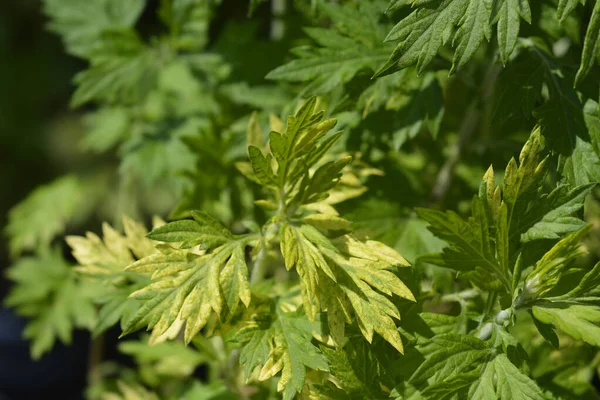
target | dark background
x=35, y=86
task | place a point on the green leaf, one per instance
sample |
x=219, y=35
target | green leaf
x=590, y=45
x=169, y=359
x=48, y=293
x=325, y=178
x=454, y=385
x=578, y=321
x=120, y=63
x=423, y=32
x=456, y=364
x=213, y=391
x=583, y=164
x=589, y=282
x=514, y=99
x=261, y=166
x=522, y=182
x=82, y=24
x=470, y=243
x=508, y=14
x=355, y=370
x=203, y=230
x=546, y=331
x=474, y=27
x=45, y=213
x=452, y=354
x=116, y=305
x=352, y=45
x=565, y=7
x=188, y=21
x=281, y=342
x=105, y=128
x=155, y=161
x=554, y=214
x=502, y=380
x=417, y=102
x=561, y=117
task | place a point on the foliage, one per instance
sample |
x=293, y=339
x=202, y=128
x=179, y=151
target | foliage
x=277, y=270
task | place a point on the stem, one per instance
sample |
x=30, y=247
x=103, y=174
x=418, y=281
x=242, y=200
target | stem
x=260, y=264
x=490, y=303
x=444, y=178
x=485, y=332
x=95, y=354
x=467, y=129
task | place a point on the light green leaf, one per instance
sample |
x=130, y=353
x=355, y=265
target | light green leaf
x=105, y=128
x=188, y=288
x=82, y=24
x=188, y=21
x=119, y=64
x=103, y=261
x=45, y=213
x=590, y=45
x=300, y=252
x=131, y=391
x=169, y=359
x=327, y=222
x=216, y=390
x=554, y=264
x=578, y=321
x=359, y=268
x=48, y=292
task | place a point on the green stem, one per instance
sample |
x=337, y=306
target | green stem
x=260, y=264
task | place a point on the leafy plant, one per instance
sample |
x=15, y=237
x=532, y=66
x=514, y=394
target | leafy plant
x=273, y=265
